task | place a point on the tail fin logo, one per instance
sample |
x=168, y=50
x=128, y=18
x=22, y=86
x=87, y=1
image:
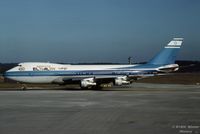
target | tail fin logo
x=175, y=43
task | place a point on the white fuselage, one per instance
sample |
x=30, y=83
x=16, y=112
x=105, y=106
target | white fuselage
x=35, y=72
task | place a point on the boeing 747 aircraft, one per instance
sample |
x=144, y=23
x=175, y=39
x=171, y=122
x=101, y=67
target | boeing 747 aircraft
x=92, y=76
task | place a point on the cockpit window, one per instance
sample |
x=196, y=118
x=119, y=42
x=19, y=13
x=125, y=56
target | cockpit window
x=21, y=68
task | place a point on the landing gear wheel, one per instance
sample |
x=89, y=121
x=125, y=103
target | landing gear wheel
x=24, y=87
x=84, y=88
x=97, y=87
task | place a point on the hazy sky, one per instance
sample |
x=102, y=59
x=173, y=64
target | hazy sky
x=96, y=30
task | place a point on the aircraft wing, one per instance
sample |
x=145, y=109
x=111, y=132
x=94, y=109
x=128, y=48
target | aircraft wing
x=98, y=79
x=105, y=79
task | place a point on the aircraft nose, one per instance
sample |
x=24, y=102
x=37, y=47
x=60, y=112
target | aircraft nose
x=7, y=74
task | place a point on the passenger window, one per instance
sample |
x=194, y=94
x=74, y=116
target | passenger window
x=46, y=69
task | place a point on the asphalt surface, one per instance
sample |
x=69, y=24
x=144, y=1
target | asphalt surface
x=138, y=109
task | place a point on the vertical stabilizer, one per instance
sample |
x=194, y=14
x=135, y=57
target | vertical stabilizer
x=168, y=54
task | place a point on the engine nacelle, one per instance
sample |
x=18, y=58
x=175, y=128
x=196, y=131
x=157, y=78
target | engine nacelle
x=88, y=82
x=121, y=81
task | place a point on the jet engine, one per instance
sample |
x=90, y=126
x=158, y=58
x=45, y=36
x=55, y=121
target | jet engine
x=87, y=83
x=121, y=81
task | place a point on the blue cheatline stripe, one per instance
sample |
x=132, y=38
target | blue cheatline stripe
x=75, y=73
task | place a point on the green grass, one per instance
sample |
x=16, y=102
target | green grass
x=179, y=78
x=18, y=85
